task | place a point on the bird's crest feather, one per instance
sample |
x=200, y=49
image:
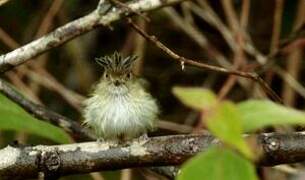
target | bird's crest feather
x=116, y=62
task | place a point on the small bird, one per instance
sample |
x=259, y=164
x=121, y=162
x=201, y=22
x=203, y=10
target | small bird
x=119, y=108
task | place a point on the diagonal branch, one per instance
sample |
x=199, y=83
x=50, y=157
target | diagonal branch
x=183, y=60
x=59, y=160
x=104, y=15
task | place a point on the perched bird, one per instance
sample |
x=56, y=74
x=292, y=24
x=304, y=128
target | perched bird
x=119, y=108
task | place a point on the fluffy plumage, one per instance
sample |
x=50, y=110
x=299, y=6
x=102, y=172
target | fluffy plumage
x=119, y=107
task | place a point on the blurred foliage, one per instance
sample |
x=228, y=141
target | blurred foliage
x=228, y=121
x=258, y=114
x=196, y=98
x=218, y=164
x=224, y=121
x=15, y=118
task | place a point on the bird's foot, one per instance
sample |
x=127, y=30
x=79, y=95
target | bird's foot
x=142, y=139
x=111, y=142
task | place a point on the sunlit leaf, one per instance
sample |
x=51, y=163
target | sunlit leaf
x=257, y=114
x=196, y=98
x=224, y=121
x=13, y=117
x=218, y=164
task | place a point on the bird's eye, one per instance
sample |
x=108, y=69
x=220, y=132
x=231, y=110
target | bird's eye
x=106, y=75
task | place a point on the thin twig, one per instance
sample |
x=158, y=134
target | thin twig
x=294, y=60
x=171, y=126
x=139, y=49
x=297, y=86
x=239, y=55
x=47, y=20
x=211, y=17
x=7, y=39
x=200, y=38
x=15, y=79
x=230, y=15
x=250, y=75
x=194, y=33
x=266, y=62
x=277, y=23
x=244, y=16
x=43, y=77
x=187, y=14
x=47, y=80
x=45, y=25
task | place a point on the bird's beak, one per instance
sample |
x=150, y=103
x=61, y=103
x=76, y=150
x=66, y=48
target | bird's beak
x=117, y=83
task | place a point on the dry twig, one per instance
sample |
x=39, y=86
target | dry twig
x=183, y=60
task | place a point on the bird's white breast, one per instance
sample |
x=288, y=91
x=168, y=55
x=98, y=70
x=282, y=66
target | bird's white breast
x=116, y=116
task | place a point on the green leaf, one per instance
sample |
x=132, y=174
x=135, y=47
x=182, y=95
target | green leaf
x=257, y=114
x=196, y=98
x=13, y=117
x=224, y=122
x=218, y=164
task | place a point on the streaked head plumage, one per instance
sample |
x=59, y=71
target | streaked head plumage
x=116, y=62
x=118, y=74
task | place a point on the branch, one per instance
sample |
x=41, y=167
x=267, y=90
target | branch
x=74, y=128
x=2, y=2
x=87, y=157
x=104, y=15
x=183, y=60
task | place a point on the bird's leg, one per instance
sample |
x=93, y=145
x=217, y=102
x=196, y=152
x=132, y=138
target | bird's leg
x=100, y=140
